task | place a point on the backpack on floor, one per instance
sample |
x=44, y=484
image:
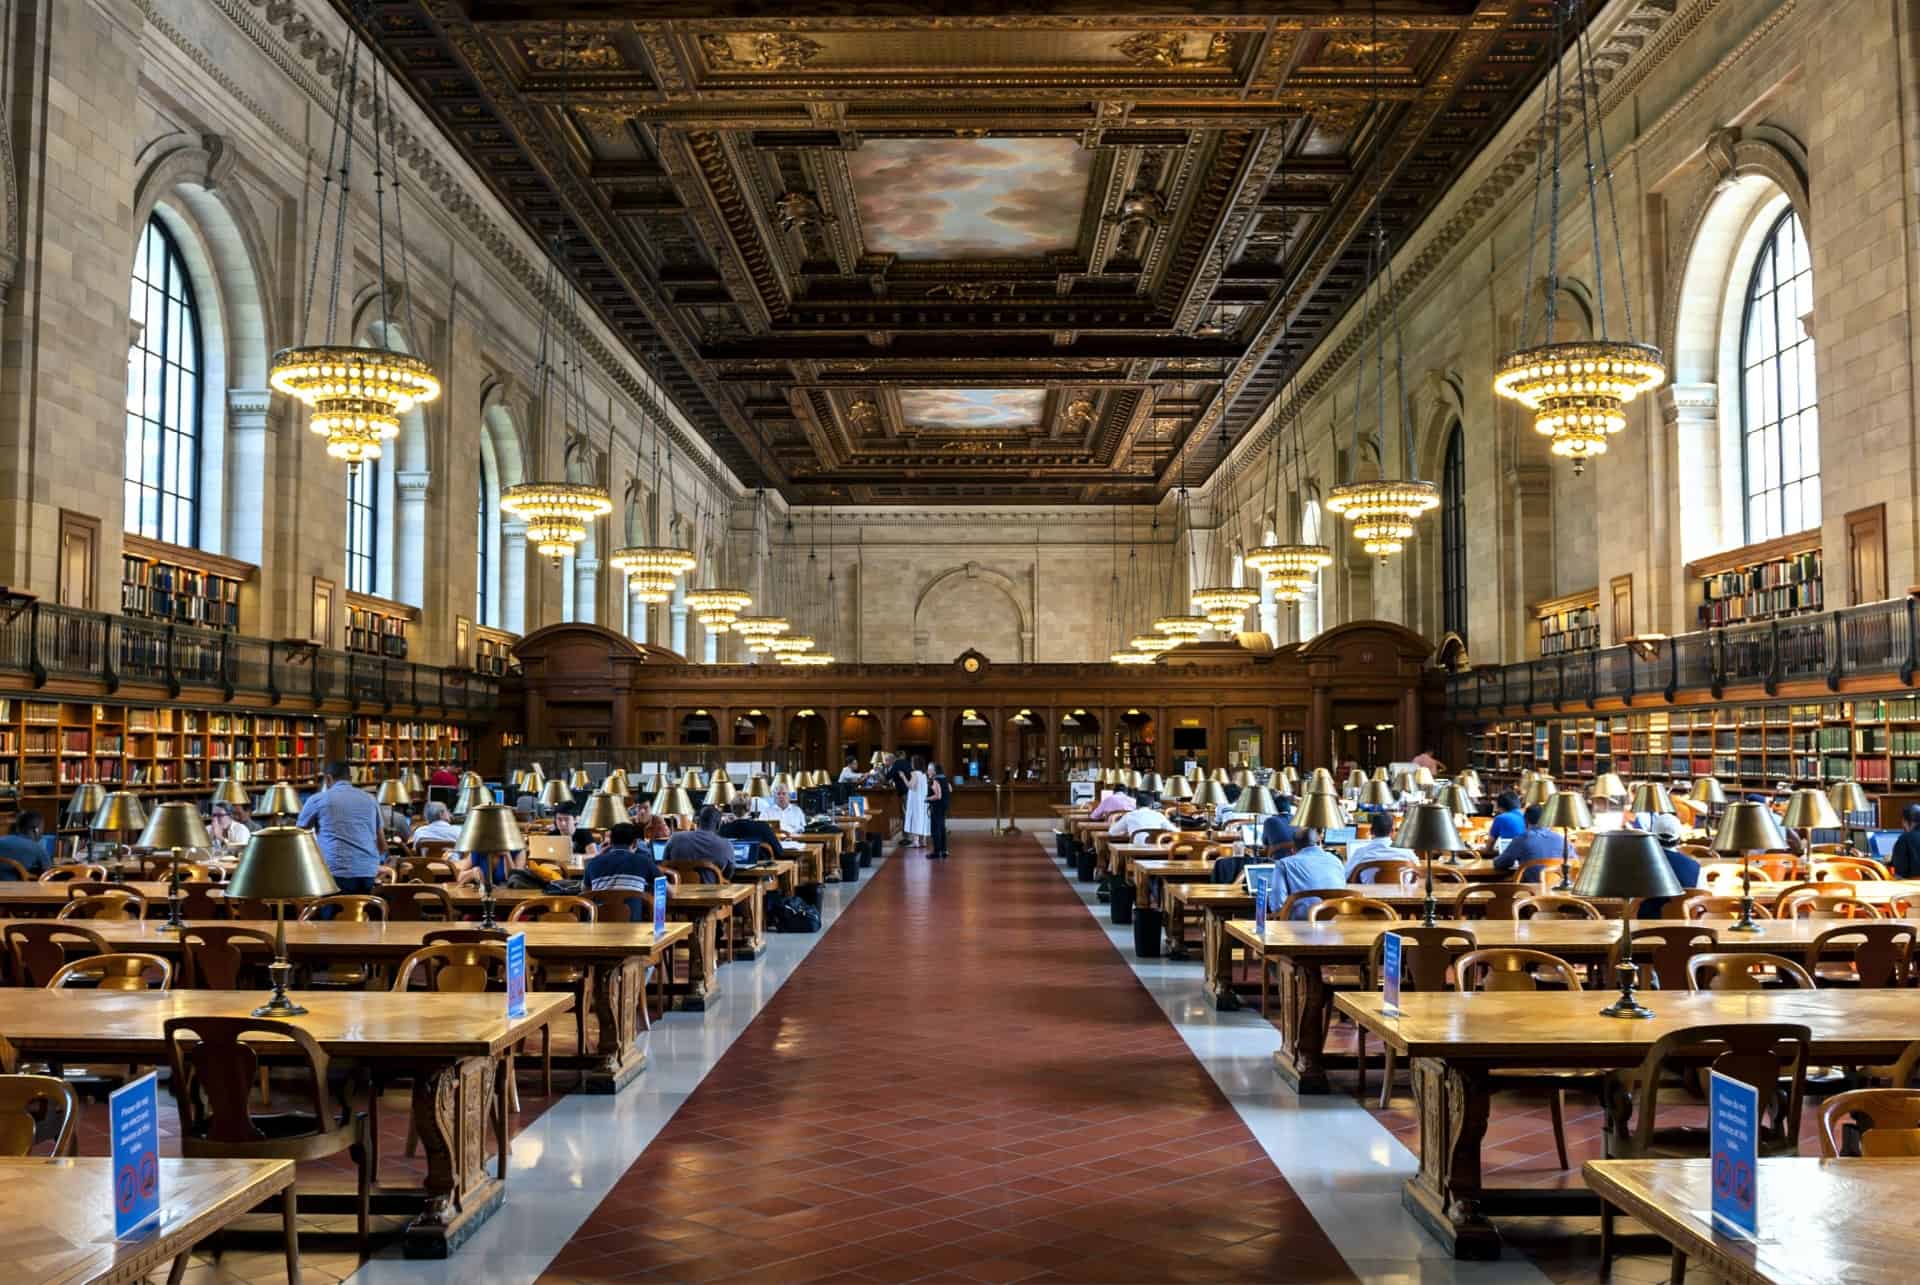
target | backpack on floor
x=791, y=915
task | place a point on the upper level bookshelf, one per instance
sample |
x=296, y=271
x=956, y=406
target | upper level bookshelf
x=1569, y=623
x=160, y=581
x=377, y=626
x=492, y=651
x=1758, y=582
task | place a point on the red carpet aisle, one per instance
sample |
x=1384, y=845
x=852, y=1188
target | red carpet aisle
x=962, y=1082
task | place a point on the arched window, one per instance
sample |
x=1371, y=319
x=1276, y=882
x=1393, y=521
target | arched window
x=163, y=396
x=1310, y=601
x=482, y=535
x=1453, y=535
x=1779, y=419
x=363, y=513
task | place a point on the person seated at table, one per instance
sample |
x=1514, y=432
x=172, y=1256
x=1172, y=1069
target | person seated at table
x=1666, y=829
x=703, y=843
x=479, y=868
x=851, y=775
x=27, y=845
x=1377, y=847
x=622, y=866
x=1535, y=842
x=444, y=776
x=1112, y=804
x=585, y=841
x=1311, y=866
x=1904, y=860
x=437, y=827
x=1276, y=832
x=1426, y=759
x=657, y=830
x=1509, y=822
x=783, y=811
x=742, y=827
x=1144, y=817
x=224, y=829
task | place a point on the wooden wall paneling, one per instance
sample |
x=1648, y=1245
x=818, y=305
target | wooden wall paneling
x=1867, y=555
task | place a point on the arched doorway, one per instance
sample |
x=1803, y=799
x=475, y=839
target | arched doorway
x=752, y=729
x=699, y=728
x=1079, y=743
x=1133, y=742
x=1027, y=746
x=860, y=737
x=916, y=735
x=972, y=748
x=807, y=739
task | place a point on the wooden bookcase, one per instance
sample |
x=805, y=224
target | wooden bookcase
x=492, y=651
x=379, y=748
x=377, y=626
x=1758, y=582
x=160, y=581
x=1569, y=623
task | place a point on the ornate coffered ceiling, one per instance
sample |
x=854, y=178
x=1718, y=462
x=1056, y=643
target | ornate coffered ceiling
x=950, y=252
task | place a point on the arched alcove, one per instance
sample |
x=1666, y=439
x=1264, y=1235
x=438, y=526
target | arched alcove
x=970, y=606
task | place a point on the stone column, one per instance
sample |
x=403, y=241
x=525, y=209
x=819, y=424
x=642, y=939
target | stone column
x=586, y=588
x=711, y=646
x=248, y=433
x=410, y=538
x=636, y=619
x=513, y=577
x=677, y=615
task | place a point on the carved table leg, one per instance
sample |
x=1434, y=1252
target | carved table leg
x=618, y=992
x=1445, y=1195
x=1217, y=962
x=702, y=952
x=750, y=926
x=450, y=1104
x=1176, y=925
x=1306, y=1003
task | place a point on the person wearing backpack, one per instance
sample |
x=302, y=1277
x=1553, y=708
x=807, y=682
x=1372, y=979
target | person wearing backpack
x=939, y=797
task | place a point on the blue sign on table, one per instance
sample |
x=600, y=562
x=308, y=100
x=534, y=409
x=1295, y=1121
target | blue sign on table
x=1733, y=1117
x=857, y=805
x=1390, y=973
x=1260, y=911
x=659, y=905
x=517, y=975
x=134, y=1128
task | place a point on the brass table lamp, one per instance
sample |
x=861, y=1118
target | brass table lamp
x=757, y=788
x=579, y=779
x=673, y=802
x=280, y=800
x=120, y=813
x=86, y=801
x=1652, y=799
x=490, y=828
x=555, y=795
x=1539, y=791
x=1566, y=812
x=1211, y=795
x=1607, y=786
x=1849, y=799
x=1428, y=829
x=1257, y=800
x=1708, y=792
x=1807, y=811
x=615, y=784
x=1320, y=781
x=1627, y=864
x=1378, y=794
x=470, y=798
x=602, y=813
x=1747, y=828
x=176, y=826
x=1177, y=788
x=1320, y=812
x=723, y=791
x=393, y=793
x=281, y=863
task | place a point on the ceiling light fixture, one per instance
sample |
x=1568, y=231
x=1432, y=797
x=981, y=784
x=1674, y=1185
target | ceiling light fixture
x=653, y=571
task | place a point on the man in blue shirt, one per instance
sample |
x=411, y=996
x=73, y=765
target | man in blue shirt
x=1534, y=843
x=346, y=822
x=1905, y=857
x=1508, y=823
x=1310, y=867
x=1276, y=832
x=27, y=845
x=1666, y=829
x=623, y=868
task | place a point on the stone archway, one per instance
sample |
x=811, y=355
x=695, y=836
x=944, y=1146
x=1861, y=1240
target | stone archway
x=971, y=606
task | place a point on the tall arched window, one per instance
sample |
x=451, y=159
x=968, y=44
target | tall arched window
x=1453, y=535
x=482, y=530
x=1779, y=419
x=163, y=396
x=363, y=512
x=1310, y=602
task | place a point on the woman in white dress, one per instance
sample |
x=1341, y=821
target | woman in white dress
x=918, y=821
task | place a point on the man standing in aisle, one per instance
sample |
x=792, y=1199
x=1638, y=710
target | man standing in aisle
x=346, y=822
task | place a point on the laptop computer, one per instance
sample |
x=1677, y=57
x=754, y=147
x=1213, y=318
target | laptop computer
x=743, y=853
x=1339, y=836
x=554, y=849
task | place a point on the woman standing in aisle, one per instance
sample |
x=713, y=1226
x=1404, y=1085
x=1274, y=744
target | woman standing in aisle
x=939, y=798
x=917, y=821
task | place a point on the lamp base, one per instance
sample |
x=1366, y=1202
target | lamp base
x=1743, y=926
x=171, y=926
x=1627, y=1006
x=279, y=1006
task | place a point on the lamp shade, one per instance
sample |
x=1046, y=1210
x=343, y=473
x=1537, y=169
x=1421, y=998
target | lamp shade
x=1177, y=787
x=1243, y=778
x=1423, y=778
x=1356, y=779
x=615, y=784
x=1848, y=797
x=1319, y=812
x=1257, y=800
x=722, y=791
x=1454, y=799
x=757, y=788
x=655, y=783
x=1321, y=782
x=1153, y=783
x=1707, y=790
x=579, y=779
x=416, y=785
x=120, y=812
x=174, y=825
x=468, y=799
x=472, y=781
x=1540, y=791
x=602, y=812
x=1748, y=827
x=1377, y=794
x=280, y=799
x=1403, y=783
x=1469, y=781
x=673, y=802
x=555, y=793
x=1211, y=794
x=692, y=779
x=780, y=779
x=1429, y=828
x=1219, y=776
x=1566, y=811
x=490, y=827
x=1525, y=782
x=226, y=790
x=1810, y=810
x=1607, y=785
x=1652, y=798
x=87, y=798
x=394, y=794
x=1626, y=863
x=1379, y=774
x=1290, y=775
x=281, y=863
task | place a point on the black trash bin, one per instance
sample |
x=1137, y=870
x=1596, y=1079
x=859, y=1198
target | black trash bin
x=869, y=849
x=1121, y=901
x=1147, y=923
x=1063, y=847
x=1083, y=863
x=849, y=866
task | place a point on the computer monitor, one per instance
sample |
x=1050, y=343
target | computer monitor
x=1250, y=834
x=499, y=795
x=1339, y=836
x=743, y=852
x=659, y=849
x=1880, y=844
x=1258, y=876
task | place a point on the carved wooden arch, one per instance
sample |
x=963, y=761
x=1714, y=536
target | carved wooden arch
x=1407, y=644
x=974, y=571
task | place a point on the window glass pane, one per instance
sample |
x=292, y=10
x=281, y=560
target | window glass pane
x=163, y=395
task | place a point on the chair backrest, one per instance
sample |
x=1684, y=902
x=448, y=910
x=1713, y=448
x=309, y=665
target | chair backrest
x=214, y=957
x=1491, y=900
x=16, y=870
x=554, y=910
x=1837, y=869
x=27, y=1102
x=348, y=908
x=1352, y=908
x=215, y=1068
x=1426, y=954
x=161, y=867
x=1837, y=907
x=1159, y=838
x=1447, y=875
x=109, y=901
x=1716, y=876
x=424, y=869
x=67, y=874
x=115, y=971
x=1297, y=899
x=1670, y=947
x=458, y=967
x=1550, y=905
x=1784, y=903
x=463, y=936
x=1390, y=871
x=1741, y=970
x=1760, y=1053
x=1507, y=968
x=1885, y=1124
x=694, y=870
x=1882, y=951
x=431, y=849
x=414, y=903
x=1539, y=870
x=1702, y=907
x=38, y=947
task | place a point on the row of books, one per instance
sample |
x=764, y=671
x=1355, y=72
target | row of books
x=376, y=634
x=164, y=591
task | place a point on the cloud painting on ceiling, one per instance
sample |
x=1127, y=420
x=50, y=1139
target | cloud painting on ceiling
x=974, y=408
x=969, y=198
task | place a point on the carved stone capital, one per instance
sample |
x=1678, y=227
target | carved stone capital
x=412, y=483
x=1693, y=402
x=249, y=408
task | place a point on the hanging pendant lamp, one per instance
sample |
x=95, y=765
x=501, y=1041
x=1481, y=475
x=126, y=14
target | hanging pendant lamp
x=356, y=393
x=653, y=571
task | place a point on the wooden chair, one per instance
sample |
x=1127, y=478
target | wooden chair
x=1882, y=955
x=67, y=874
x=1508, y=969
x=424, y=869
x=114, y=903
x=694, y=870
x=471, y=968
x=1669, y=947
x=1555, y=906
x=37, y=948
x=1762, y=1054
x=162, y=868
x=1446, y=875
x=214, y=1068
x=213, y=958
x=1740, y=970
x=1783, y=903
x=1808, y=906
x=114, y=971
x=1158, y=838
x=1386, y=871
x=1351, y=907
x=413, y=903
x=1716, y=875
x=1840, y=869
x=1491, y=900
x=610, y=904
x=1874, y=1124
x=1542, y=872
x=575, y=979
x=1721, y=908
x=1427, y=955
x=348, y=908
x=33, y=1105
x=14, y=870
x=433, y=849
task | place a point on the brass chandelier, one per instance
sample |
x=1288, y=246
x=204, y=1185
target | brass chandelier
x=356, y=394
x=718, y=606
x=1577, y=389
x=653, y=571
x=1223, y=603
x=1292, y=569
